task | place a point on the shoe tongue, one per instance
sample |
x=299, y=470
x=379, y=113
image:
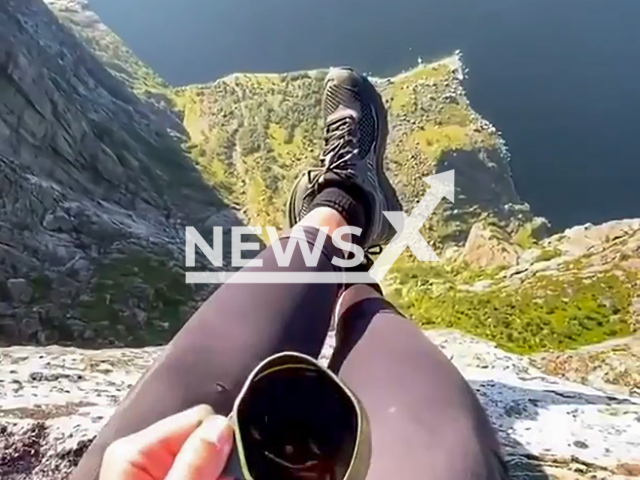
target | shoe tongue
x=332, y=179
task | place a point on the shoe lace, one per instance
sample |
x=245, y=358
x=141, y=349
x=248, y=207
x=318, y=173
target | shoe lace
x=338, y=152
x=340, y=146
x=338, y=156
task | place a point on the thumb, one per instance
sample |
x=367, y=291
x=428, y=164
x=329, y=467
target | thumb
x=204, y=454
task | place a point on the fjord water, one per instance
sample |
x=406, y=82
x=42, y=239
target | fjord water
x=559, y=78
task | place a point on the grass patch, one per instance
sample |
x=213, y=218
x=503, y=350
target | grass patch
x=545, y=314
x=435, y=140
x=524, y=237
x=548, y=254
x=401, y=94
x=42, y=287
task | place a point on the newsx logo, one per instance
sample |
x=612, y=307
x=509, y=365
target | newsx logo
x=407, y=236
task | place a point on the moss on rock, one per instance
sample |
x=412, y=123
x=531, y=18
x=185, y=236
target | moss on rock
x=137, y=299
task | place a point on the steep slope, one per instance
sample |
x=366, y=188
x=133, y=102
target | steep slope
x=94, y=193
x=252, y=134
x=107, y=46
x=118, y=59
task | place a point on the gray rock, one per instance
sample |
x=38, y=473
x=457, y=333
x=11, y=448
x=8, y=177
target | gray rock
x=77, y=326
x=87, y=169
x=580, y=444
x=21, y=290
x=30, y=327
x=135, y=320
x=488, y=247
x=82, y=266
x=58, y=221
x=9, y=329
x=6, y=309
x=540, y=228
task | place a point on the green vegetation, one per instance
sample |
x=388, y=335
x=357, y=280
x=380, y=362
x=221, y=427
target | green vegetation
x=41, y=285
x=547, y=313
x=156, y=290
x=524, y=238
x=253, y=135
x=548, y=254
x=403, y=96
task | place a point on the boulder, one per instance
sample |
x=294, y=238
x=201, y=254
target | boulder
x=58, y=221
x=21, y=291
x=488, y=246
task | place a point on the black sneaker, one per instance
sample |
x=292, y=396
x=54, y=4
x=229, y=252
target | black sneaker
x=355, y=139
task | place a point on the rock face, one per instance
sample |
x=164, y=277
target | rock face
x=106, y=45
x=118, y=59
x=614, y=364
x=53, y=401
x=488, y=247
x=91, y=183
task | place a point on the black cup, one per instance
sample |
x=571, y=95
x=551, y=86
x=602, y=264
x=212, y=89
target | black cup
x=295, y=420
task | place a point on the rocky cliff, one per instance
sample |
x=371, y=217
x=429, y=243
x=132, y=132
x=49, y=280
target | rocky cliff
x=96, y=186
x=94, y=192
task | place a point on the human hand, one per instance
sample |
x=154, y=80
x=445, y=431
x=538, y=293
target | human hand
x=192, y=445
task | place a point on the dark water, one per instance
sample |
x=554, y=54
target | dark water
x=559, y=78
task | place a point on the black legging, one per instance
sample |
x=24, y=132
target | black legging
x=426, y=422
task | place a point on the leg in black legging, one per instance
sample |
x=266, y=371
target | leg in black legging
x=212, y=355
x=426, y=421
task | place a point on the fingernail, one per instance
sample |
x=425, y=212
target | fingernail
x=218, y=430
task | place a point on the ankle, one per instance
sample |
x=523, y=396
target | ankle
x=347, y=206
x=324, y=217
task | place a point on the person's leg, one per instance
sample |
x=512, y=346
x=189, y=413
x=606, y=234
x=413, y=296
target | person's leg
x=426, y=422
x=240, y=325
x=235, y=329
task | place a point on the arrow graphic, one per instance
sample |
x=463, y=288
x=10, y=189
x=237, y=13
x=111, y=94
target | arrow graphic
x=408, y=227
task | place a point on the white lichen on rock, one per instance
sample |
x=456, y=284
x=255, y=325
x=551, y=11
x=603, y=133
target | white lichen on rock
x=545, y=423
